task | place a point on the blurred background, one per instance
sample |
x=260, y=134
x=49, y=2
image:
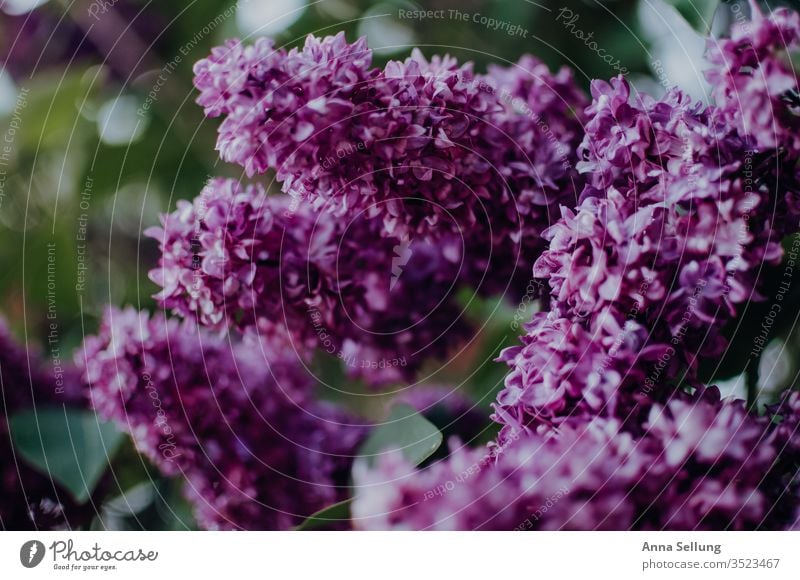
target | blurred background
x=99, y=134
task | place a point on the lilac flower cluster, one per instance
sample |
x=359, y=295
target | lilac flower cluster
x=673, y=230
x=562, y=370
x=237, y=257
x=236, y=418
x=701, y=465
x=683, y=207
x=32, y=500
x=373, y=281
x=754, y=78
x=429, y=148
x=432, y=151
x=648, y=223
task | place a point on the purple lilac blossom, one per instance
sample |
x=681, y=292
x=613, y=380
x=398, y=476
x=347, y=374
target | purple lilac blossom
x=543, y=118
x=428, y=147
x=237, y=257
x=680, y=208
x=561, y=370
x=700, y=465
x=236, y=418
x=665, y=247
x=754, y=78
x=225, y=250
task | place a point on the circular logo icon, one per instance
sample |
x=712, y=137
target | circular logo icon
x=31, y=553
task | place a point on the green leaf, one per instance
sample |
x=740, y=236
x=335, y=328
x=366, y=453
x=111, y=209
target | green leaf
x=698, y=13
x=338, y=512
x=404, y=430
x=72, y=446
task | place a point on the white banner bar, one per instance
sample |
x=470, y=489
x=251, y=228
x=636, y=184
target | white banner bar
x=381, y=556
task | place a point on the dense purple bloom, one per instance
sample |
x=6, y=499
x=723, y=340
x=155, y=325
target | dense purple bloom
x=543, y=115
x=675, y=265
x=542, y=119
x=32, y=500
x=236, y=418
x=682, y=210
x=786, y=413
x=754, y=78
x=699, y=465
x=236, y=257
x=648, y=228
x=667, y=244
x=427, y=147
x=561, y=370
x=225, y=250
x=274, y=101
